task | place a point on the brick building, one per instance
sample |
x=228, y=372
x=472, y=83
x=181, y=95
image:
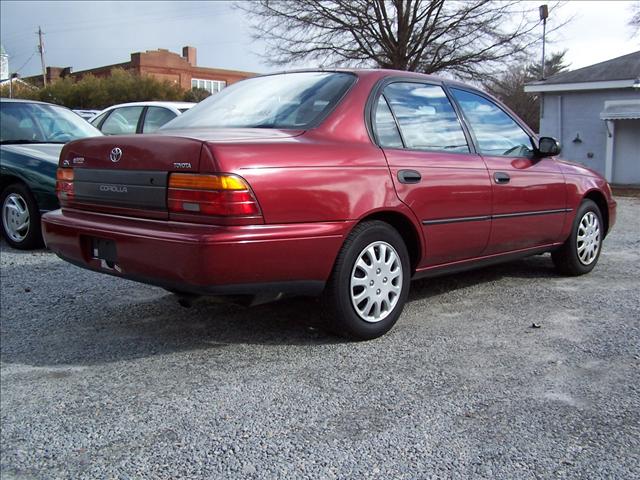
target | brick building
x=162, y=64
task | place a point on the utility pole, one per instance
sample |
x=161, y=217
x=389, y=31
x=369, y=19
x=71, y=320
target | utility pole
x=41, y=50
x=544, y=13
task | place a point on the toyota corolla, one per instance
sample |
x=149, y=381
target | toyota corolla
x=345, y=184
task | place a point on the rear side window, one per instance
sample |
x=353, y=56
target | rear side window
x=155, y=118
x=122, y=121
x=496, y=132
x=426, y=117
x=385, y=125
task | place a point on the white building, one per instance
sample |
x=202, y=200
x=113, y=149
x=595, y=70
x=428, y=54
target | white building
x=595, y=113
x=4, y=64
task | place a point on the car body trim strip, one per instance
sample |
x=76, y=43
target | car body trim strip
x=456, y=220
x=531, y=214
x=480, y=218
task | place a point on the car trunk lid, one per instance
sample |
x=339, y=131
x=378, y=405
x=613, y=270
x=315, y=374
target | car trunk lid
x=127, y=175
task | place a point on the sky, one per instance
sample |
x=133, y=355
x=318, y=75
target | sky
x=92, y=34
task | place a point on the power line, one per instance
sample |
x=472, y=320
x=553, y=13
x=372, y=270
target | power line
x=134, y=19
x=25, y=63
x=146, y=16
x=118, y=23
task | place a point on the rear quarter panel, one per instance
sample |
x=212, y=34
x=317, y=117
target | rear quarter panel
x=330, y=173
x=307, y=179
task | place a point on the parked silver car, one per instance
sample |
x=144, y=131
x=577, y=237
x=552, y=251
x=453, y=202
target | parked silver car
x=138, y=117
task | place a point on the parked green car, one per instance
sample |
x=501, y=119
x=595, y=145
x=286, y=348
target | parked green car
x=31, y=137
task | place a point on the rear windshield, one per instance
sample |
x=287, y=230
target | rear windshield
x=289, y=101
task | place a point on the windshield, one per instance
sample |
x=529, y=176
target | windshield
x=289, y=101
x=41, y=123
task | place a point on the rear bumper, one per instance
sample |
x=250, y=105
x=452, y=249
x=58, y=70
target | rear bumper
x=202, y=259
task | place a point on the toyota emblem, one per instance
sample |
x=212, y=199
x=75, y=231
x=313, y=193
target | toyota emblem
x=116, y=154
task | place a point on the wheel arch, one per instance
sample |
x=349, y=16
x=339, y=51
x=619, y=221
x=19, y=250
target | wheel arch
x=8, y=179
x=405, y=227
x=600, y=200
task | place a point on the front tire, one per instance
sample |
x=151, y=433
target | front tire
x=370, y=282
x=581, y=251
x=20, y=217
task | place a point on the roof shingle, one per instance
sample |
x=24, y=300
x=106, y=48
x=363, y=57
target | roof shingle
x=626, y=67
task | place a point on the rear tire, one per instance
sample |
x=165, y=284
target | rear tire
x=20, y=217
x=579, y=254
x=369, y=284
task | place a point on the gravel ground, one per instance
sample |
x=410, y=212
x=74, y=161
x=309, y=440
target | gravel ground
x=105, y=378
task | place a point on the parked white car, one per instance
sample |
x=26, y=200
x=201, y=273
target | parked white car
x=138, y=117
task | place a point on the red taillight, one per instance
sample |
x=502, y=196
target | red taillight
x=219, y=195
x=64, y=184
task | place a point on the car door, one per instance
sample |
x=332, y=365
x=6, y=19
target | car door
x=434, y=169
x=529, y=196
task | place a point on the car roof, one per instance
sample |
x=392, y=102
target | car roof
x=382, y=73
x=22, y=100
x=153, y=104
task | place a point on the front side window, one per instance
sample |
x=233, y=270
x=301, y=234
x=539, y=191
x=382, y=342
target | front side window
x=122, y=121
x=288, y=101
x=155, y=118
x=426, y=117
x=496, y=132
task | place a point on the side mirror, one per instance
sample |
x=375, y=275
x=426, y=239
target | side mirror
x=548, y=147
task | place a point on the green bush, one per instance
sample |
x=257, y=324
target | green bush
x=196, y=95
x=20, y=90
x=100, y=92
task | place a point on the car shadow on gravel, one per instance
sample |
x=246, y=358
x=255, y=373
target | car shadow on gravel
x=6, y=248
x=113, y=332
x=539, y=266
x=125, y=320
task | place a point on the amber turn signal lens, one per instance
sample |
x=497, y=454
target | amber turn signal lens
x=207, y=182
x=64, y=184
x=64, y=174
x=222, y=195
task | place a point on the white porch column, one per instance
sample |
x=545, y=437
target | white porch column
x=608, y=163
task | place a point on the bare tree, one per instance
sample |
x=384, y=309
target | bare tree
x=465, y=38
x=634, y=21
x=509, y=87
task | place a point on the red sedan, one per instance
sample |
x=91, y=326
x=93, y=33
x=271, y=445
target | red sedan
x=342, y=183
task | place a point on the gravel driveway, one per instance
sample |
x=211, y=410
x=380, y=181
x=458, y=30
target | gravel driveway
x=106, y=378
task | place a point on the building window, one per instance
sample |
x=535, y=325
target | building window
x=211, y=86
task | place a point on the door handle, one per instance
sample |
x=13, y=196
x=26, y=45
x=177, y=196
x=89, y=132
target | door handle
x=501, y=177
x=409, y=176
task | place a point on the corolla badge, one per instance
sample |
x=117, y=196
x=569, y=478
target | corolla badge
x=116, y=154
x=113, y=188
